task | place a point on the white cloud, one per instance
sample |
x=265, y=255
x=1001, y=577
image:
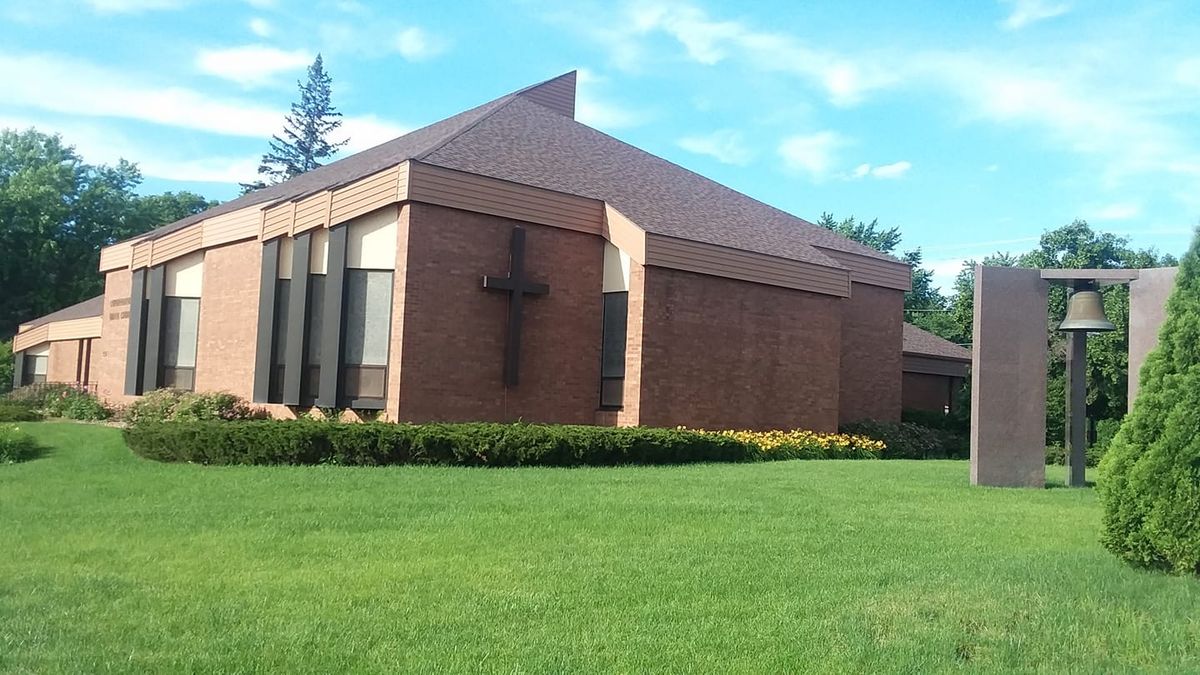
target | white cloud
x=101, y=144
x=261, y=27
x=992, y=168
x=885, y=171
x=251, y=65
x=133, y=6
x=88, y=91
x=709, y=41
x=726, y=146
x=1118, y=211
x=1025, y=12
x=591, y=110
x=893, y=170
x=367, y=131
x=944, y=271
x=812, y=154
x=416, y=44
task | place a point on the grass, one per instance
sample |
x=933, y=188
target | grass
x=113, y=563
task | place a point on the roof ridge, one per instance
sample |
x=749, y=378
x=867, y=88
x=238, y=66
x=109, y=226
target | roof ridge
x=511, y=97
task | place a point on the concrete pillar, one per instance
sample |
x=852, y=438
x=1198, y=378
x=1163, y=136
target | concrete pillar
x=263, y=362
x=1147, y=311
x=1008, y=378
x=1076, y=412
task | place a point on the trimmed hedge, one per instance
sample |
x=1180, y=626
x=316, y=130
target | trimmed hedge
x=469, y=444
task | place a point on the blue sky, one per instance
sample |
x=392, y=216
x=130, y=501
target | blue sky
x=973, y=126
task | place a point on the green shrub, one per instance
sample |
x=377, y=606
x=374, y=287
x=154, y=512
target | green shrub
x=18, y=411
x=75, y=405
x=905, y=440
x=16, y=445
x=382, y=443
x=38, y=394
x=1150, y=476
x=166, y=405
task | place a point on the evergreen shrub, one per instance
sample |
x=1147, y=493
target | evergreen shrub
x=1150, y=477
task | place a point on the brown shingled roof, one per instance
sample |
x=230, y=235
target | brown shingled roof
x=526, y=143
x=82, y=310
x=923, y=343
x=517, y=139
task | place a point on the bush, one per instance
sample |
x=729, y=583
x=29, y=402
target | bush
x=167, y=405
x=930, y=419
x=16, y=445
x=18, y=411
x=1150, y=476
x=472, y=444
x=905, y=440
x=37, y=394
x=76, y=405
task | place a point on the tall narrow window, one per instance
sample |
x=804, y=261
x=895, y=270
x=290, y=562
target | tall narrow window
x=181, y=320
x=279, y=334
x=368, y=312
x=612, y=350
x=311, y=385
x=36, y=363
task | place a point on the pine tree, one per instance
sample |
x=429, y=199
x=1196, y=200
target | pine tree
x=1150, y=477
x=306, y=132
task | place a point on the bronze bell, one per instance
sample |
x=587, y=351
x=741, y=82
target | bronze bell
x=1085, y=312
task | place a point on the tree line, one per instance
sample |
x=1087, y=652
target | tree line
x=57, y=211
x=1076, y=245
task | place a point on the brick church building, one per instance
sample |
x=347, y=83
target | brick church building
x=505, y=263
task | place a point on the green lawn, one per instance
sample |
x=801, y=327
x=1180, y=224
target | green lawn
x=113, y=563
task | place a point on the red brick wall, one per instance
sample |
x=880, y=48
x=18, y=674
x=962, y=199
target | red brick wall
x=454, y=331
x=228, y=330
x=923, y=391
x=108, y=352
x=721, y=353
x=872, y=339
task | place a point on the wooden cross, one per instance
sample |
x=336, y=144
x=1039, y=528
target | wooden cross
x=517, y=286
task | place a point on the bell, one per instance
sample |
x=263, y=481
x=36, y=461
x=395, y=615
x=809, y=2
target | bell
x=1085, y=312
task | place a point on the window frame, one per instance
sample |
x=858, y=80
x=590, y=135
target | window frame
x=163, y=366
x=358, y=402
x=605, y=327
